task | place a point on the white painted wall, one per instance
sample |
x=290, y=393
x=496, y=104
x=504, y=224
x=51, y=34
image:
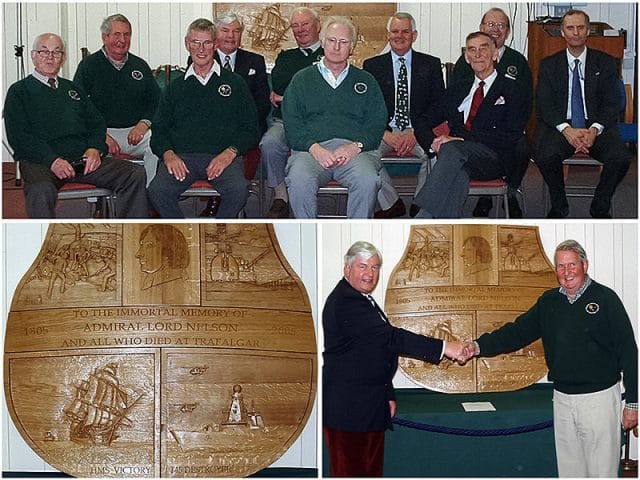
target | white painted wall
x=21, y=243
x=159, y=28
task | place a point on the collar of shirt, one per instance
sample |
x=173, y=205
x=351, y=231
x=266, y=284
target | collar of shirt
x=116, y=65
x=328, y=75
x=203, y=80
x=571, y=61
x=501, y=52
x=232, y=58
x=44, y=79
x=465, y=106
x=579, y=293
x=313, y=48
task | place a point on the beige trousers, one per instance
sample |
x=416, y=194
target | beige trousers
x=587, y=430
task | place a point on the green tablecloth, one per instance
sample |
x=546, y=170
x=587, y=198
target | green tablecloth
x=415, y=453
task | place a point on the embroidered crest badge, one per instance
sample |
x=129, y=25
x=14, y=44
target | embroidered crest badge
x=74, y=95
x=137, y=75
x=224, y=90
x=360, y=88
x=592, y=308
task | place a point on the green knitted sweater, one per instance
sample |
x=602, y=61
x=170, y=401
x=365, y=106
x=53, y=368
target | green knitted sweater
x=587, y=344
x=43, y=124
x=196, y=118
x=315, y=112
x=288, y=63
x=125, y=96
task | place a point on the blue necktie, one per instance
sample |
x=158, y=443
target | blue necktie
x=577, y=107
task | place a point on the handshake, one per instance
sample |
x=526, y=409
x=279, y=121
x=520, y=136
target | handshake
x=461, y=352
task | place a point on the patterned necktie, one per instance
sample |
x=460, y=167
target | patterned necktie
x=402, y=98
x=52, y=83
x=227, y=63
x=308, y=51
x=478, y=97
x=577, y=107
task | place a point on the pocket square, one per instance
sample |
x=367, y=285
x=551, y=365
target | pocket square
x=500, y=101
x=252, y=71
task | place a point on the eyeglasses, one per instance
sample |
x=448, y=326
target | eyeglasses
x=500, y=25
x=341, y=42
x=47, y=53
x=198, y=44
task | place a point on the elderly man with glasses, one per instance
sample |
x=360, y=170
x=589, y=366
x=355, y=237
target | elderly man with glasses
x=334, y=117
x=58, y=136
x=205, y=122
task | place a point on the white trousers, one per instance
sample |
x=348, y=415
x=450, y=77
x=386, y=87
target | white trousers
x=587, y=430
x=142, y=150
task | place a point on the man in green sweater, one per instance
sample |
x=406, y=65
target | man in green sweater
x=123, y=89
x=588, y=341
x=205, y=122
x=274, y=150
x=334, y=117
x=58, y=136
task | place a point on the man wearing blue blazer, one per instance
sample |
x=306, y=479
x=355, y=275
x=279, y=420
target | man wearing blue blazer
x=360, y=360
x=582, y=123
x=424, y=85
x=486, y=116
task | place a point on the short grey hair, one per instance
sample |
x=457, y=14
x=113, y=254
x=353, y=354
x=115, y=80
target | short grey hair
x=571, y=246
x=105, y=27
x=477, y=34
x=225, y=18
x=202, y=25
x=338, y=20
x=362, y=249
x=39, y=38
x=402, y=16
x=314, y=13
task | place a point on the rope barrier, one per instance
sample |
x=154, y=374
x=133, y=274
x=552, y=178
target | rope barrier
x=473, y=433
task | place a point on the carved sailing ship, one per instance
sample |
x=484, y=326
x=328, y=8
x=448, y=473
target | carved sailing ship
x=269, y=28
x=99, y=408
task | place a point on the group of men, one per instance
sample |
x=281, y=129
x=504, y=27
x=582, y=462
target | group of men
x=330, y=120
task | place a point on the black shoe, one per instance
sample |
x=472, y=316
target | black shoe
x=396, y=210
x=483, y=207
x=514, y=207
x=279, y=209
x=596, y=213
x=558, y=212
x=211, y=210
x=413, y=210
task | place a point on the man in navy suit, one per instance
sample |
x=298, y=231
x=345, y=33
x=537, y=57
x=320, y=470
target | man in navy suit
x=512, y=64
x=425, y=85
x=486, y=116
x=592, y=130
x=360, y=360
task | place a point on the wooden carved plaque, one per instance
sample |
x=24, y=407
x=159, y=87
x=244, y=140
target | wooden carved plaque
x=160, y=350
x=456, y=282
x=267, y=30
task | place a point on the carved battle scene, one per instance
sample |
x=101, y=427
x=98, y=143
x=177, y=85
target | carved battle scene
x=160, y=383
x=456, y=282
